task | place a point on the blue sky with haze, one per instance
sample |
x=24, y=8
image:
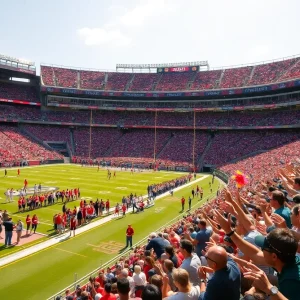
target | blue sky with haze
x=100, y=34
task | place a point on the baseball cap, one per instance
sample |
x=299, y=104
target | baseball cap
x=272, y=244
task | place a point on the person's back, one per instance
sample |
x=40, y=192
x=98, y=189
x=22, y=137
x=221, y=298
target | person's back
x=8, y=225
x=158, y=244
x=225, y=283
x=286, y=214
x=202, y=237
x=191, y=265
x=193, y=294
x=289, y=279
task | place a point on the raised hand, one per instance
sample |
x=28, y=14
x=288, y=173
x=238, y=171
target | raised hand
x=278, y=220
x=260, y=280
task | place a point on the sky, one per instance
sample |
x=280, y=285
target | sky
x=100, y=34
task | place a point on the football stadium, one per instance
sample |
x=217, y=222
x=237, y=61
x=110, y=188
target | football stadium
x=173, y=180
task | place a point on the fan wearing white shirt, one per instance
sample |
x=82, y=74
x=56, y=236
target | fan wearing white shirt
x=139, y=279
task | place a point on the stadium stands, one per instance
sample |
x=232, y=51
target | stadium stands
x=15, y=146
x=101, y=140
x=47, y=76
x=174, y=81
x=271, y=72
x=50, y=133
x=235, y=77
x=139, y=143
x=180, y=149
x=204, y=80
x=92, y=80
x=117, y=81
x=65, y=77
x=15, y=91
x=130, y=118
x=143, y=82
x=228, y=146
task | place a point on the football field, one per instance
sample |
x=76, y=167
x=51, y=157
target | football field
x=46, y=272
x=92, y=184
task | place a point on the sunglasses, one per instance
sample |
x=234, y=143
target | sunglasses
x=207, y=258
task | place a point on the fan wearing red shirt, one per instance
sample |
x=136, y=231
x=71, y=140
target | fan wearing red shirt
x=28, y=223
x=108, y=295
x=129, y=234
x=182, y=203
x=35, y=222
x=73, y=223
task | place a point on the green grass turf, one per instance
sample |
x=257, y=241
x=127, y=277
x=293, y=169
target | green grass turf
x=93, y=184
x=46, y=272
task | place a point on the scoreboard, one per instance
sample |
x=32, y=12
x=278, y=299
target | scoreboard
x=178, y=69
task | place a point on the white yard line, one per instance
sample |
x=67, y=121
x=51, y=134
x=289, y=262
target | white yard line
x=57, y=239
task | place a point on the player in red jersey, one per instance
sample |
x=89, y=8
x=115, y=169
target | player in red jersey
x=25, y=184
x=18, y=172
x=59, y=223
x=107, y=206
x=23, y=203
x=84, y=214
x=182, y=203
x=124, y=209
x=73, y=224
x=115, y=174
x=117, y=209
x=35, y=222
x=28, y=223
x=81, y=204
x=20, y=204
x=64, y=221
x=74, y=211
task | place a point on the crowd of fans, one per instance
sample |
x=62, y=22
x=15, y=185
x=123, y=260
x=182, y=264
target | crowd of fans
x=174, y=81
x=137, y=146
x=92, y=80
x=244, y=244
x=229, y=146
x=272, y=72
x=235, y=77
x=206, y=80
x=117, y=81
x=143, y=82
x=127, y=118
x=15, y=146
x=22, y=92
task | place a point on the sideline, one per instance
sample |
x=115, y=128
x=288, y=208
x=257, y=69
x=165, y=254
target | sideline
x=65, y=236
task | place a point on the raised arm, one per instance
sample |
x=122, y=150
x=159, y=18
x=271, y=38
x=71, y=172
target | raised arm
x=248, y=249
